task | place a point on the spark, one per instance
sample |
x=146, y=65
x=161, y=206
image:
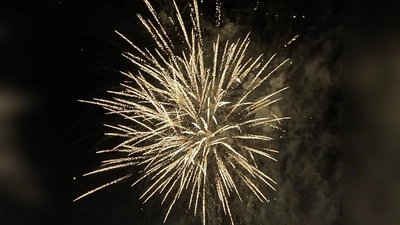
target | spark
x=256, y=7
x=218, y=6
x=292, y=40
x=192, y=133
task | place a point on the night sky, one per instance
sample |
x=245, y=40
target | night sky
x=77, y=55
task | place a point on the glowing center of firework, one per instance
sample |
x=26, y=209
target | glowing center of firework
x=208, y=135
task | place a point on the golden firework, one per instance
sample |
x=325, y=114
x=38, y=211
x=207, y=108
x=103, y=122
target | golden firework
x=193, y=133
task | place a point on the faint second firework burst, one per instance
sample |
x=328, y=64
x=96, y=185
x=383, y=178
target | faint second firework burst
x=199, y=123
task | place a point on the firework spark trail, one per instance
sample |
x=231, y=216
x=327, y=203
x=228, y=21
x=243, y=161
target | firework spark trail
x=191, y=134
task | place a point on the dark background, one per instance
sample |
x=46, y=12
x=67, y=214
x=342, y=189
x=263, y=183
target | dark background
x=72, y=52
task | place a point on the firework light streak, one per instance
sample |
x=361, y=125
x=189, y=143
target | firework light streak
x=191, y=134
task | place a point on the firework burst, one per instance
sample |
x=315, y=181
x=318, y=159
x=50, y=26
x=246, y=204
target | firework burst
x=194, y=127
